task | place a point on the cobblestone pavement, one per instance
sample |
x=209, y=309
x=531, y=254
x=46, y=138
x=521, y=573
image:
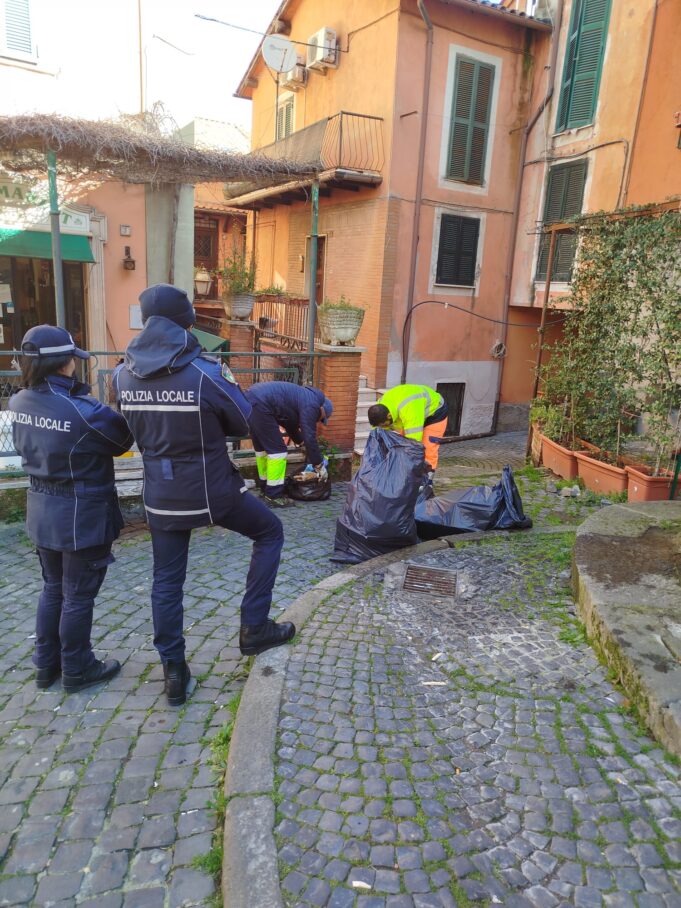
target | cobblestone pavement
x=441, y=751
x=104, y=794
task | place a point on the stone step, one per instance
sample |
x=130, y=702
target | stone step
x=363, y=381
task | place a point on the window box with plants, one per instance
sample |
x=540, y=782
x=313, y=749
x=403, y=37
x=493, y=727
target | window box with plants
x=237, y=277
x=339, y=322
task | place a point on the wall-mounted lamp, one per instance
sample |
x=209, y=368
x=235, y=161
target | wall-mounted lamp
x=128, y=260
x=202, y=282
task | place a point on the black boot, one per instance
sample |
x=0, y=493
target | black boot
x=177, y=677
x=98, y=672
x=45, y=677
x=255, y=639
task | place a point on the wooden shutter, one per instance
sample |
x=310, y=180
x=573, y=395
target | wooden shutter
x=583, y=63
x=457, y=250
x=564, y=197
x=468, y=136
x=18, y=26
x=285, y=119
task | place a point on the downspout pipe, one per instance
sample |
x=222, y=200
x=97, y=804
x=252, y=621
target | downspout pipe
x=531, y=123
x=427, y=68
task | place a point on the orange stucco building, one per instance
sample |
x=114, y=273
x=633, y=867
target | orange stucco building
x=466, y=126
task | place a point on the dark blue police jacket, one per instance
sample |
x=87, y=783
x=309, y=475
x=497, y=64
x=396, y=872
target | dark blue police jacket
x=67, y=441
x=295, y=408
x=180, y=405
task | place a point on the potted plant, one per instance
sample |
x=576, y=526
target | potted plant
x=339, y=322
x=238, y=283
x=550, y=424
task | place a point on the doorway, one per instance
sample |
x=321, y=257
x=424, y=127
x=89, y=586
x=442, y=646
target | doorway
x=452, y=394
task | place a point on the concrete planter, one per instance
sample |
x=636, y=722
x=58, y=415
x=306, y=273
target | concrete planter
x=600, y=477
x=643, y=487
x=239, y=305
x=558, y=459
x=340, y=327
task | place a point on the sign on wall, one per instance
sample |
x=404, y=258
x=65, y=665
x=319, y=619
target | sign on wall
x=25, y=206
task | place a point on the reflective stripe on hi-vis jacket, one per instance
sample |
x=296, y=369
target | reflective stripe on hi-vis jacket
x=410, y=406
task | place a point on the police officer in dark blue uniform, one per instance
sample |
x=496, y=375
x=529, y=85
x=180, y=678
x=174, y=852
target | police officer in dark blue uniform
x=180, y=405
x=298, y=410
x=67, y=441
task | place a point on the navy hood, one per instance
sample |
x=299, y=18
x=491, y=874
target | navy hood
x=161, y=347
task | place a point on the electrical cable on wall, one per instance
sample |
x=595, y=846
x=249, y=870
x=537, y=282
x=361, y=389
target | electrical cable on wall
x=497, y=321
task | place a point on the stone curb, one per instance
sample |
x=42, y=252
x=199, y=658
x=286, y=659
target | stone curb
x=624, y=627
x=250, y=874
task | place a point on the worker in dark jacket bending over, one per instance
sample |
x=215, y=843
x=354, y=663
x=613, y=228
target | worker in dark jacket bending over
x=297, y=410
x=180, y=405
x=67, y=441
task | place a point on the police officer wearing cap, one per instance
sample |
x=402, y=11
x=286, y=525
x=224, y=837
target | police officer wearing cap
x=67, y=441
x=180, y=404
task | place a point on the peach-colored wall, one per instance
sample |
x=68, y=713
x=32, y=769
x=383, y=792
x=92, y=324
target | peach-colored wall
x=521, y=352
x=656, y=157
x=122, y=204
x=606, y=143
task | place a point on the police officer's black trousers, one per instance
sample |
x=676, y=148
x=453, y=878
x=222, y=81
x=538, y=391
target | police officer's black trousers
x=249, y=517
x=64, y=619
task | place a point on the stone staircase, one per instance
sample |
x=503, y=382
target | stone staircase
x=365, y=398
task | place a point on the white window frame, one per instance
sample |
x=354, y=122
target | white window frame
x=458, y=50
x=7, y=53
x=462, y=290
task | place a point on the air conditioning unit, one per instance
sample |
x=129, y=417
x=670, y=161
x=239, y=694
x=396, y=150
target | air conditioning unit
x=295, y=78
x=322, y=51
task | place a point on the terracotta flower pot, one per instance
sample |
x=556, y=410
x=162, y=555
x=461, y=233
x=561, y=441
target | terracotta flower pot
x=558, y=459
x=600, y=477
x=643, y=487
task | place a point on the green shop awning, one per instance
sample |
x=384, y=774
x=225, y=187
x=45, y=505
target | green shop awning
x=36, y=244
x=211, y=342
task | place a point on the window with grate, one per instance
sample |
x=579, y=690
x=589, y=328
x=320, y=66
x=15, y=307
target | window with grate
x=457, y=252
x=469, y=131
x=203, y=245
x=285, y=118
x=564, y=197
x=583, y=63
x=15, y=29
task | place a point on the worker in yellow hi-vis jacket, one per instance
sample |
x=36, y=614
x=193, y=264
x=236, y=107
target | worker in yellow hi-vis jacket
x=415, y=411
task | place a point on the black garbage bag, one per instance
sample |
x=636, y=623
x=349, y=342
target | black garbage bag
x=310, y=490
x=498, y=507
x=378, y=515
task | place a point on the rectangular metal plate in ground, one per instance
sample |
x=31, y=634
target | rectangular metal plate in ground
x=431, y=581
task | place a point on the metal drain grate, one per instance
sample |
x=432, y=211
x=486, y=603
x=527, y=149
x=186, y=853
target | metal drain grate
x=431, y=581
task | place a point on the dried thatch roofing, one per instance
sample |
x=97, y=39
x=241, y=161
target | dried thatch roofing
x=133, y=155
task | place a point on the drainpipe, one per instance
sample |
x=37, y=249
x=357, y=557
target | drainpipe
x=419, y=179
x=555, y=39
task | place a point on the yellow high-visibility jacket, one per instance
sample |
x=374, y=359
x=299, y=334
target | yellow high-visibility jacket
x=410, y=406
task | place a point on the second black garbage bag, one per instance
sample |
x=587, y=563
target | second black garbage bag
x=497, y=507
x=378, y=515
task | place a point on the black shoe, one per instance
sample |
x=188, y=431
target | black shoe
x=98, y=672
x=278, y=502
x=45, y=677
x=254, y=640
x=177, y=677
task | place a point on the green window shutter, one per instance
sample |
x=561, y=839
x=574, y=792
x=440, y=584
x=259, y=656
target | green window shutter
x=468, y=136
x=288, y=118
x=564, y=197
x=18, y=26
x=583, y=63
x=457, y=250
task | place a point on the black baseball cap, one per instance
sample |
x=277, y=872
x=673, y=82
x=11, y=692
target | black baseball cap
x=49, y=340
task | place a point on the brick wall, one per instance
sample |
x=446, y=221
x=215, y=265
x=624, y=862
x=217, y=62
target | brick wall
x=339, y=380
x=241, y=340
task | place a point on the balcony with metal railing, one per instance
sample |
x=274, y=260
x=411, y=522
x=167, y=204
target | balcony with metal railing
x=347, y=149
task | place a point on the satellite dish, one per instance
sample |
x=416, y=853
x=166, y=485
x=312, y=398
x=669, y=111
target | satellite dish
x=279, y=54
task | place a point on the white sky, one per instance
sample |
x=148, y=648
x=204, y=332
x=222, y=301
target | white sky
x=201, y=85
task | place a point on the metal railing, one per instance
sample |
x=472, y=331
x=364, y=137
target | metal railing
x=285, y=320
x=248, y=368
x=345, y=140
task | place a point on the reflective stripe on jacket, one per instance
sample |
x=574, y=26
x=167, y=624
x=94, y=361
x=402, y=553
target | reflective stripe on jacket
x=410, y=406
